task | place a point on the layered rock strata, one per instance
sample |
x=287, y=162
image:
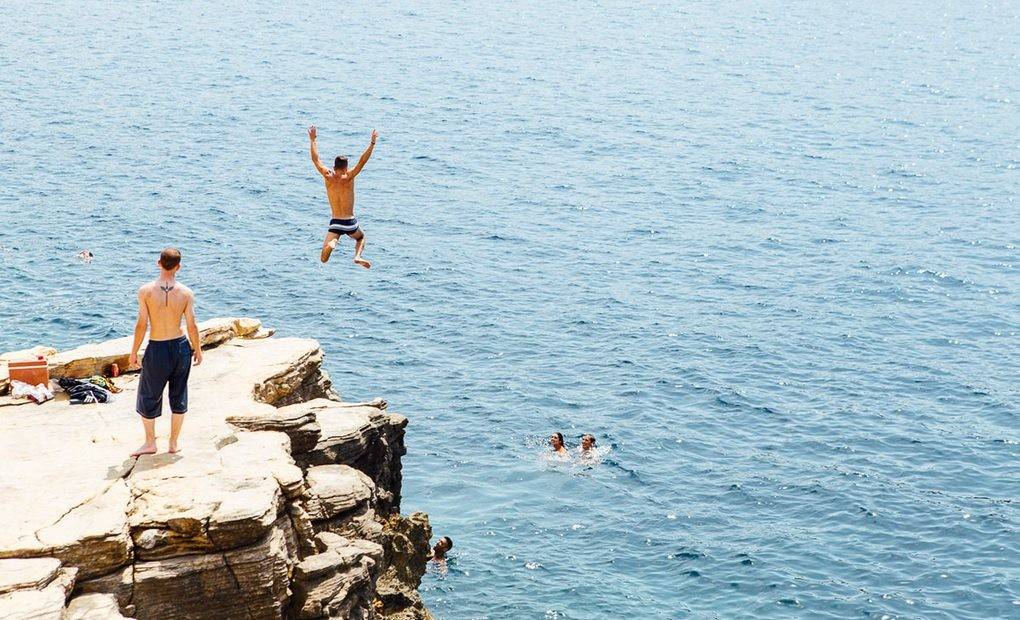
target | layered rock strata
x=284, y=502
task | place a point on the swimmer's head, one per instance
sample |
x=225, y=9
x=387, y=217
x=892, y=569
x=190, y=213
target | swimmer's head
x=340, y=163
x=587, y=442
x=443, y=545
x=556, y=440
x=169, y=259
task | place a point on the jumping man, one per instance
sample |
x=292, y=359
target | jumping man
x=340, y=190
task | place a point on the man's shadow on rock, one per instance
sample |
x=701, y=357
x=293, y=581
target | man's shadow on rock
x=146, y=462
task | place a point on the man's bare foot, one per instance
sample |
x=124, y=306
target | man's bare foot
x=147, y=448
x=173, y=448
x=367, y=264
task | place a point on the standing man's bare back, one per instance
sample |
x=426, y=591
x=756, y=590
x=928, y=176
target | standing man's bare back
x=166, y=304
x=340, y=191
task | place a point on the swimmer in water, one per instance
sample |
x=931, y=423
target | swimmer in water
x=85, y=256
x=556, y=441
x=340, y=191
x=441, y=548
x=587, y=450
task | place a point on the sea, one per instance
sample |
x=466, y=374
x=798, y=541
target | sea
x=765, y=252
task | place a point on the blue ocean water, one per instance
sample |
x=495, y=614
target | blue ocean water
x=766, y=252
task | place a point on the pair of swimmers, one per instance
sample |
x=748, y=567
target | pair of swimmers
x=585, y=451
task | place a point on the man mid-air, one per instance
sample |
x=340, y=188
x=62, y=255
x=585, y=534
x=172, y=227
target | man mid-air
x=340, y=190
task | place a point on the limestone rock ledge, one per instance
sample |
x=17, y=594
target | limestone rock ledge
x=284, y=502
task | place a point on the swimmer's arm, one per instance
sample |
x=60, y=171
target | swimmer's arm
x=366, y=155
x=141, y=324
x=315, y=153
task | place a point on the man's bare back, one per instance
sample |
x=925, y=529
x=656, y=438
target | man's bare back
x=166, y=304
x=340, y=191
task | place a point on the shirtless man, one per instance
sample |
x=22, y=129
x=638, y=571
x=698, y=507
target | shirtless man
x=587, y=450
x=340, y=190
x=439, y=550
x=168, y=356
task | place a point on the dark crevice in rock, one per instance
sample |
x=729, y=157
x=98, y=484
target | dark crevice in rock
x=237, y=584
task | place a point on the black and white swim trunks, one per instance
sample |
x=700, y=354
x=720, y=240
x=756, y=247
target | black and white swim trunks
x=347, y=226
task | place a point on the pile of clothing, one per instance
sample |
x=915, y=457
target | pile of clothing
x=38, y=393
x=83, y=392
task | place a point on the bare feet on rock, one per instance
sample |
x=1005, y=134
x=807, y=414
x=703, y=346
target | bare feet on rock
x=367, y=264
x=147, y=448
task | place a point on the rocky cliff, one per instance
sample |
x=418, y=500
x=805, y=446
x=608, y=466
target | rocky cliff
x=283, y=503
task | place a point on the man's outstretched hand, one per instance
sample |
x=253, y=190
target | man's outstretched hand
x=311, y=133
x=375, y=135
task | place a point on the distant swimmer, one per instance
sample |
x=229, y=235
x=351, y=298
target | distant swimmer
x=441, y=548
x=559, y=450
x=340, y=190
x=588, y=447
x=85, y=256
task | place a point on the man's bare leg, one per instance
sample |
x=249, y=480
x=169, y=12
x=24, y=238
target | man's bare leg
x=359, y=247
x=176, y=422
x=149, y=447
x=328, y=245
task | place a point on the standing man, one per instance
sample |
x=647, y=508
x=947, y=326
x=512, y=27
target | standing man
x=340, y=190
x=167, y=360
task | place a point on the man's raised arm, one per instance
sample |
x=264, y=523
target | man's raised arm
x=315, y=153
x=365, y=155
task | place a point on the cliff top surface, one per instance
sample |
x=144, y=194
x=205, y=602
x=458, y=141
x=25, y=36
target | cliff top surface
x=60, y=456
x=275, y=505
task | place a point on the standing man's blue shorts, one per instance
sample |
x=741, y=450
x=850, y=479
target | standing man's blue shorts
x=165, y=361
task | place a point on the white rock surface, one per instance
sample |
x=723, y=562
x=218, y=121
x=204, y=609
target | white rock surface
x=217, y=530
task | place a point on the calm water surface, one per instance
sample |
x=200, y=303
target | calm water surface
x=766, y=252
